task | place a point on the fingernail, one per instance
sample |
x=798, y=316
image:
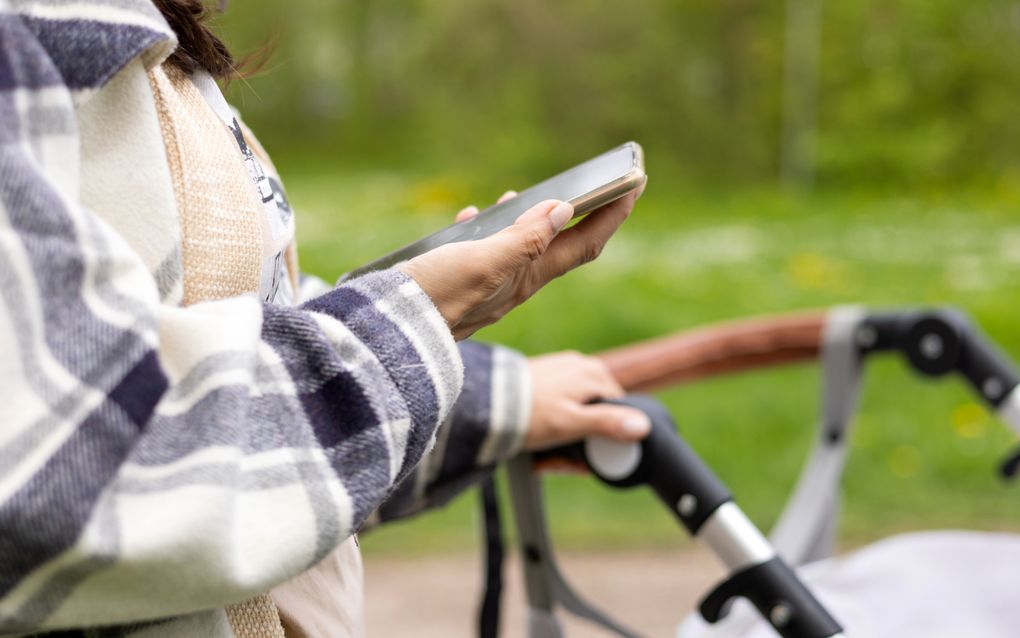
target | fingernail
x=560, y=215
x=636, y=425
x=641, y=191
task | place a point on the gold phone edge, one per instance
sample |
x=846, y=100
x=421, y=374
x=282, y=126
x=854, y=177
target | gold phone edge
x=614, y=189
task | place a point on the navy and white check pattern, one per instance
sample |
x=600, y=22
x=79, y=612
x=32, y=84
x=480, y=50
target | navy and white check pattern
x=160, y=462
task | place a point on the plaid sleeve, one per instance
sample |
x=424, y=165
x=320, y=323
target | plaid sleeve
x=157, y=460
x=487, y=426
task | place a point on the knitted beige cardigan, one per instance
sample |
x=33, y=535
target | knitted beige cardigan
x=220, y=216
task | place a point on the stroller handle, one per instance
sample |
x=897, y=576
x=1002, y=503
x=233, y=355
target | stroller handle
x=933, y=342
x=704, y=506
x=718, y=349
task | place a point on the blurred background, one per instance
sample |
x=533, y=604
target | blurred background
x=801, y=155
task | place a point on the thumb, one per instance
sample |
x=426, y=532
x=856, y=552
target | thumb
x=528, y=237
x=613, y=421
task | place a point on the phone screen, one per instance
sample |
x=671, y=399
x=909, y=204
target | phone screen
x=587, y=186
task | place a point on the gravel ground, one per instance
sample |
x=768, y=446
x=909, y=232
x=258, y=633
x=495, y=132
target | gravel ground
x=437, y=597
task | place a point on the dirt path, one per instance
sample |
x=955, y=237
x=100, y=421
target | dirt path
x=437, y=597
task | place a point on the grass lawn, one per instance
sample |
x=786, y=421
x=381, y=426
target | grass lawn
x=925, y=455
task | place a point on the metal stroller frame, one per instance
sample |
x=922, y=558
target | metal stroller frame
x=935, y=343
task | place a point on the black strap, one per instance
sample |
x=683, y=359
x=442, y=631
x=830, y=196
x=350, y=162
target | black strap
x=488, y=615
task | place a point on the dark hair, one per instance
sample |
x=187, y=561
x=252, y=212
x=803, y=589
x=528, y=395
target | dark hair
x=198, y=47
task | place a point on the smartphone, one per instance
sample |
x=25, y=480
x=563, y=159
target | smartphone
x=586, y=186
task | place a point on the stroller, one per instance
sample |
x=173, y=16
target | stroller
x=933, y=584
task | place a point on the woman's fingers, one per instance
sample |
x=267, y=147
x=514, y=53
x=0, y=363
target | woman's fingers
x=613, y=421
x=474, y=283
x=467, y=213
x=470, y=212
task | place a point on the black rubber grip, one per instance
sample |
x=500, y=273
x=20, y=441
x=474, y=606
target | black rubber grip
x=941, y=341
x=779, y=595
x=990, y=372
x=672, y=469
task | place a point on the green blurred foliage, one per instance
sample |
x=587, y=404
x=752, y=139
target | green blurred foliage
x=925, y=452
x=912, y=92
x=385, y=116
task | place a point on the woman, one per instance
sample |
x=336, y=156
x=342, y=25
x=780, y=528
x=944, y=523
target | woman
x=177, y=436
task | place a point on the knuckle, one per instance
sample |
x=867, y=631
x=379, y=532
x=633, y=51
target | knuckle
x=591, y=252
x=534, y=243
x=592, y=363
x=605, y=373
x=597, y=372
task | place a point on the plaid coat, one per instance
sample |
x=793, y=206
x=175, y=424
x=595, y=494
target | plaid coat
x=159, y=461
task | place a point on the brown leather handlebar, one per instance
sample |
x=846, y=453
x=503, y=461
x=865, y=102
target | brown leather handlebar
x=724, y=348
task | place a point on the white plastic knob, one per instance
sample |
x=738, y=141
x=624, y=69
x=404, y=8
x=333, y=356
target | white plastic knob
x=611, y=459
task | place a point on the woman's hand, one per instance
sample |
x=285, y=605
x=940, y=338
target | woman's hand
x=474, y=283
x=563, y=385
